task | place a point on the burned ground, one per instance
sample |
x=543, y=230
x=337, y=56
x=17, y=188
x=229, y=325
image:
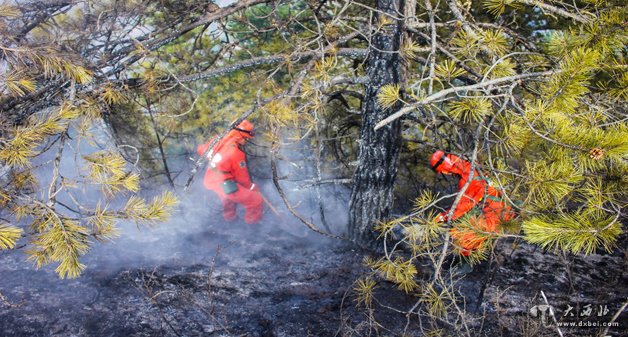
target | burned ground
x=236, y=281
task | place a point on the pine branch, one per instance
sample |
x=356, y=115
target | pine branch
x=162, y=41
x=433, y=44
x=556, y=10
x=451, y=56
x=267, y=60
x=446, y=92
x=9, y=236
x=536, y=132
x=453, y=6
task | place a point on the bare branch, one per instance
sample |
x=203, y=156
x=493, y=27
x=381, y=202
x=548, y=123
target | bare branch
x=257, y=61
x=556, y=10
x=446, y=92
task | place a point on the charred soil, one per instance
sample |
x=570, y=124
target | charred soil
x=240, y=281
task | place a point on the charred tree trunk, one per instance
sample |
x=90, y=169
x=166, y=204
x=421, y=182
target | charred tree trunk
x=373, y=180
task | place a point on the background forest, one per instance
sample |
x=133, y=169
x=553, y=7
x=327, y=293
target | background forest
x=102, y=99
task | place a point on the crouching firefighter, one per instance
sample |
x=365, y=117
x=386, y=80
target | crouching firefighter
x=479, y=196
x=228, y=176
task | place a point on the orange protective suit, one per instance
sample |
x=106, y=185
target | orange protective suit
x=228, y=162
x=478, y=194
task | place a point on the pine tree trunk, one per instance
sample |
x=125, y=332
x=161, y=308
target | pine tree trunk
x=373, y=180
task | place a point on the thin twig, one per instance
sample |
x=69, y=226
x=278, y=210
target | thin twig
x=608, y=326
x=551, y=311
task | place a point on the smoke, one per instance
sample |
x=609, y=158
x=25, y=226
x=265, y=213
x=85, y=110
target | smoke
x=195, y=238
x=296, y=163
x=197, y=227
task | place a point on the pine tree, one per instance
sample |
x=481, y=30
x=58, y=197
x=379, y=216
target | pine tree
x=539, y=107
x=38, y=120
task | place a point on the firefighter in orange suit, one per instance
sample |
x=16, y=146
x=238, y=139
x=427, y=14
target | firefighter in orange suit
x=228, y=176
x=479, y=195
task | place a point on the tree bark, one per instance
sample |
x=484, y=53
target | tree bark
x=378, y=156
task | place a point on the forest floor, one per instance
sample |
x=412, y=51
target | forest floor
x=219, y=280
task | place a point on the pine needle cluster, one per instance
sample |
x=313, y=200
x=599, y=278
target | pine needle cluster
x=27, y=67
x=448, y=70
x=435, y=301
x=107, y=169
x=279, y=112
x=389, y=95
x=498, y=7
x=363, y=289
x=59, y=240
x=551, y=182
x=400, y=271
x=21, y=142
x=61, y=235
x=158, y=210
x=423, y=235
x=578, y=233
x=8, y=236
x=470, y=109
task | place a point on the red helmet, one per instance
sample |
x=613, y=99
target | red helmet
x=243, y=130
x=442, y=162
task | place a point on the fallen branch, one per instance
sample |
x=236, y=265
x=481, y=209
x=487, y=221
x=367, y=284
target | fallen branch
x=273, y=166
x=551, y=311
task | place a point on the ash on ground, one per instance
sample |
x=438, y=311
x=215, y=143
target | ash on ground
x=218, y=279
